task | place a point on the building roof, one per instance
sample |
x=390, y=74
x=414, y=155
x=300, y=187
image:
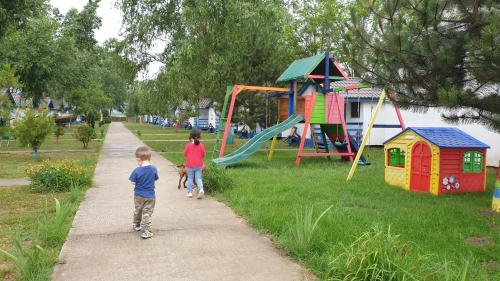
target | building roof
x=204, y=103
x=445, y=137
x=364, y=93
x=300, y=68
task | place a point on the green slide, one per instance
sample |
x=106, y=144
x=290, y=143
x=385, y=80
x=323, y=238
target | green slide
x=254, y=143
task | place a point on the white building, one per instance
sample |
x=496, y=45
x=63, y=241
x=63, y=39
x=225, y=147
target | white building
x=359, y=107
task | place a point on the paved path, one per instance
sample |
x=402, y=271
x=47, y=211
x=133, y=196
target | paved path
x=194, y=239
x=14, y=182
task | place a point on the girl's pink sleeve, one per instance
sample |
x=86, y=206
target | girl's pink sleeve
x=186, y=150
x=203, y=153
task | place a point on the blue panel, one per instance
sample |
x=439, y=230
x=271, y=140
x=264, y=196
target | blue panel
x=445, y=137
x=291, y=100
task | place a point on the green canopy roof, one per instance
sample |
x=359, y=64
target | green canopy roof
x=314, y=65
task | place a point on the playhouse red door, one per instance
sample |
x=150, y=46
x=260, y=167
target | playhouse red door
x=420, y=167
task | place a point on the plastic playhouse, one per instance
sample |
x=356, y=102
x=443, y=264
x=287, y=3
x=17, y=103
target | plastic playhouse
x=435, y=160
x=310, y=99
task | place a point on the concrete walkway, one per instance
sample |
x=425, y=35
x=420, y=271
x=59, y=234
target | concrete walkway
x=194, y=239
x=14, y=182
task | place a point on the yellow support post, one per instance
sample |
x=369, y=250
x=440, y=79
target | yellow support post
x=271, y=150
x=367, y=136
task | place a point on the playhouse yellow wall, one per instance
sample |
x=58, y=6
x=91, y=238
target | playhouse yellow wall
x=400, y=176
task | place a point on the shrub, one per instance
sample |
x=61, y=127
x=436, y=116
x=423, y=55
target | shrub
x=57, y=176
x=32, y=129
x=58, y=133
x=85, y=134
x=107, y=120
x=216, y=179
x=301, y=233
x=139, y=133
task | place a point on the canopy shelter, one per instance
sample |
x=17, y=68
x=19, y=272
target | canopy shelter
x=312, y=69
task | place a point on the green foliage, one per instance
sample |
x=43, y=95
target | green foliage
x=301, y=233
x=432, y=53
x=58, y=176
x=8, y=76
x=139, y=133
x=32, y=129
x=59, y=132
x=5, y=109
x=85, y=133
x=108, y=120
x=216, y=180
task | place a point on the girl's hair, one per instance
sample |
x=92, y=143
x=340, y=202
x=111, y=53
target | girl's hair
x=195, y=135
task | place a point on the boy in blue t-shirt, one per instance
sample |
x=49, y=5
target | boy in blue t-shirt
x=144, y=177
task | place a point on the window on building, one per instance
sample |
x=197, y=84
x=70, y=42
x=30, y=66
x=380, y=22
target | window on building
x=472, y=162
x=355, y=108
x=396, y=157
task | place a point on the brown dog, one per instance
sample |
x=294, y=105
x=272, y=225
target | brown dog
x=183, y=176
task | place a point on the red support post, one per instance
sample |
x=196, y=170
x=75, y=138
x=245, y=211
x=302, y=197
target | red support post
x=308, y=113
x=401, y=122
x=344, y=127
x=228, y=120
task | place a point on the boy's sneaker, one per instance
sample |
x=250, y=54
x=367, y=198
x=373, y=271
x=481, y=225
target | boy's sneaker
x=190, y=194
x=146, y=234
x=137, y=227
x=200, y=194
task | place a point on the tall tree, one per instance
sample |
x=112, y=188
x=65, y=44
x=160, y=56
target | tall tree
x=432, y=53
x=215, y=43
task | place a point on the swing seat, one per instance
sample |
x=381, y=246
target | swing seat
x=340, y=143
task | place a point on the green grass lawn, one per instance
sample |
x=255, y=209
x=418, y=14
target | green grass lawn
x=19, y=213
x=21, y=210
x=269, y=193
x=66, y=142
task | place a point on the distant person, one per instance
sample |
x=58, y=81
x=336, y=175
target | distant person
x=211, y=128
x=194, y=153
x=143, y=178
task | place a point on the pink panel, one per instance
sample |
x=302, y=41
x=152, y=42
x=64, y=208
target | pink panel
x=332, y=110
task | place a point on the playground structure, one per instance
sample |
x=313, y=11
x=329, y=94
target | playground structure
x=436, y=160
x=495, y=205
x=317, y=105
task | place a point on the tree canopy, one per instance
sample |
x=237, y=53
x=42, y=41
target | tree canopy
x=57, y=56
x=432, y=54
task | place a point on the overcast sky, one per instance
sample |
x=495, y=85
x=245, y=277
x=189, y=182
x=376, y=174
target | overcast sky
x=111, y=16
x=111, y=24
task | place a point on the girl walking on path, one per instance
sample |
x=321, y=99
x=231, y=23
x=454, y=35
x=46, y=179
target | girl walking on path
x=194, y=153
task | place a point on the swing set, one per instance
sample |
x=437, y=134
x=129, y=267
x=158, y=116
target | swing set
x=316, y=103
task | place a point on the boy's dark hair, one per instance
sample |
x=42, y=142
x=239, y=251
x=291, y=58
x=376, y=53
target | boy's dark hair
x=195, y=135
x=143, y=153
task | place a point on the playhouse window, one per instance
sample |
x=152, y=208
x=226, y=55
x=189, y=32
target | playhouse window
x=396, y=157
x=355, y=110
x=472, y=162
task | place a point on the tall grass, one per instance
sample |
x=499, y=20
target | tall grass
x=52, y=230
x=379, y=255
x=301, y=233
x=36, y=261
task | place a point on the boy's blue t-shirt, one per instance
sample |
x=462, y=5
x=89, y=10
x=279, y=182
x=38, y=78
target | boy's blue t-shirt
x=144, y=179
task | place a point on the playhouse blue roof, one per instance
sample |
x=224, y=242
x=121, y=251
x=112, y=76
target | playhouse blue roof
x=445, y=137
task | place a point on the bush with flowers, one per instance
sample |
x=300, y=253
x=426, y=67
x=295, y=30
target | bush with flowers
x=57, y=176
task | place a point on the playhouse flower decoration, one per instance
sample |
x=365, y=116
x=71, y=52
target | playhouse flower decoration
x=450, y=183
